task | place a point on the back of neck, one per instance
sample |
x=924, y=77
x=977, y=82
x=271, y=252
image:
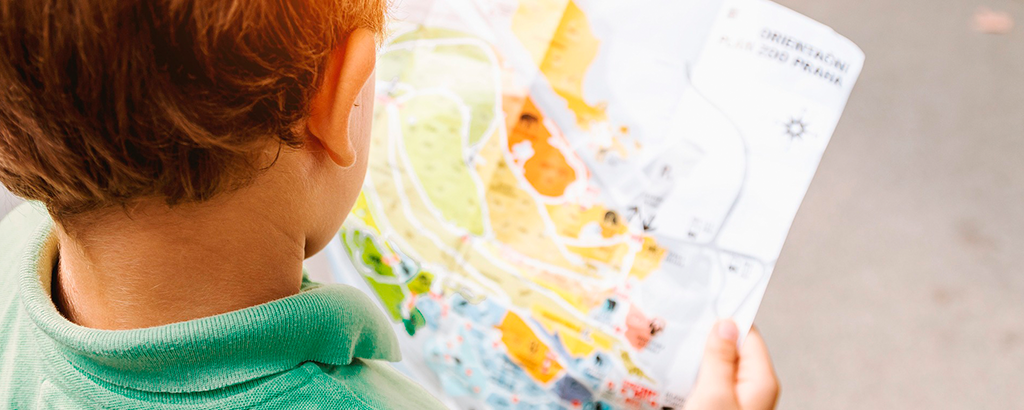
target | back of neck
x=162, y=265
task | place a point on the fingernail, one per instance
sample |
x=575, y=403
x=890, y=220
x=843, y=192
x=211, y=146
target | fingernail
x=727, y=330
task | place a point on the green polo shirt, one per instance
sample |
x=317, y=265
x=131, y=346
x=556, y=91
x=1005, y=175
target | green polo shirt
x=324, y=348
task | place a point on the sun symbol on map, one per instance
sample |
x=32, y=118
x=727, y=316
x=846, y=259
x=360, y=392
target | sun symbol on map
x=796, y=128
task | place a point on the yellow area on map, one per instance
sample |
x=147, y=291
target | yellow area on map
x=570, y=219
x=609, y=255
x=535, y=23
x=572, y=291
x=514, y=215
x=571, y=331
x=526, y=348
x=603, y=340
x=615, y=146
x=648, y=259
x=632, y=368
x=574, y=344
x=547, y=169
x=516, y=220
x=362, y=211
x=568, y=52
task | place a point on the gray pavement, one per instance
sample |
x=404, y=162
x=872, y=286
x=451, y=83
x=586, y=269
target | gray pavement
x=901, y=284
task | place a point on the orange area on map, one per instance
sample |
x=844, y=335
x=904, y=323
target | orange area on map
x=547, y=170
x=648, y=259
x=526, y=348
x=571, y=52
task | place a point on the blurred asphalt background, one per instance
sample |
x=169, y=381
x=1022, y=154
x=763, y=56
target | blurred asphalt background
x=901, y=285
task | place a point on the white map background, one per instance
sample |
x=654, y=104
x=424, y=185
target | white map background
x=727, y=134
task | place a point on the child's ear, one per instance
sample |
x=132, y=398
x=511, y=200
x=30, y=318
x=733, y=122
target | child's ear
x=348, y=68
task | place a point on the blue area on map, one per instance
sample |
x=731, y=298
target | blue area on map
x=407, y=267
x=431, y=311
x=459, y=363
x=485, y=313
x=594, y=368
x=499, y=402
x=451, y=369
x=509, y=376
x=605, y=312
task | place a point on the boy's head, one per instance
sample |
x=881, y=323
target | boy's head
x=109, y=104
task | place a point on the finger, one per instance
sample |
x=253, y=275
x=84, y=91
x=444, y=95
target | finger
x=758, y=386
x=754, y=355
x=718, y=367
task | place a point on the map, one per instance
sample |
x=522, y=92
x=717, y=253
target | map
x=564, y=195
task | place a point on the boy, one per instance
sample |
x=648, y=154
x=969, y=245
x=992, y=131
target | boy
x=188, y=155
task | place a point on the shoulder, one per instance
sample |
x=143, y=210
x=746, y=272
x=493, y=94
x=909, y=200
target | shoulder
x=363, y=384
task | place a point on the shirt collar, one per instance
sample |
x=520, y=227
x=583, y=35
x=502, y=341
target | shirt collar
x=330, y=324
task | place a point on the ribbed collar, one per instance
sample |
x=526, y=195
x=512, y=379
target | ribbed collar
x=330, y=324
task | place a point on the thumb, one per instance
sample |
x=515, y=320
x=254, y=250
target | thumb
x=718, y=368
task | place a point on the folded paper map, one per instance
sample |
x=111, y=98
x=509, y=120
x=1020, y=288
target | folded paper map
x=564, y=195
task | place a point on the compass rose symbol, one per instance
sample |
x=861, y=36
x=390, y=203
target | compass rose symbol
x=796, y=128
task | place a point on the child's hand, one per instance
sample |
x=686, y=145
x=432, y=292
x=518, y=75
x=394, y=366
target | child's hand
x=734, y=379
